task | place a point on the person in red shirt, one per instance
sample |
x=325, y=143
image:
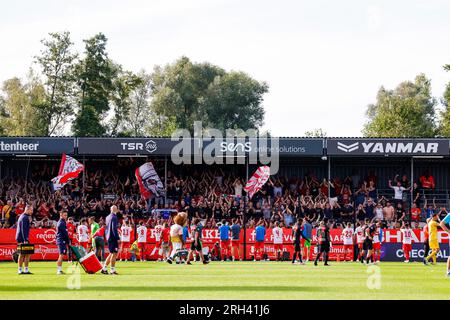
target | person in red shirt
x=165, y=241
x=415, y=212
x=20, y=207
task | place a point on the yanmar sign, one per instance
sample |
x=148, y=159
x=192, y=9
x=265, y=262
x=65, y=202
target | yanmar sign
x=419, y=147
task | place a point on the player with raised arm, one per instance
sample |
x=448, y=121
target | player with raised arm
x=406, y=240
x=277, y=233
x=347, y=236
x=359, y=232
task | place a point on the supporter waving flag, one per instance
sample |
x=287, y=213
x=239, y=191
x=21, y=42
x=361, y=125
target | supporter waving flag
x=256, y=182
x=69, y=169
x=149, y=182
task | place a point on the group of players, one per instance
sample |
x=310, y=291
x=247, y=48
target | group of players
x=170, y=241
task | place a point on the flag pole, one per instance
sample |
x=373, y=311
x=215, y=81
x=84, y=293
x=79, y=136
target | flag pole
x=245, y=212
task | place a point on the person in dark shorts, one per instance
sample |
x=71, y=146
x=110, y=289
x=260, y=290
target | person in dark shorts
x=196, y=244
x=368, y=241
x=297, y=234
x=112, y=236
x=22, y=234
x=62, y=240
x=324, y=242
x=235, y=239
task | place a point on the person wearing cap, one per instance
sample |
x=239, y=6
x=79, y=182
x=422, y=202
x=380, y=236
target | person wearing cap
x=112, y=237
x=22, y=234
x=433, y=238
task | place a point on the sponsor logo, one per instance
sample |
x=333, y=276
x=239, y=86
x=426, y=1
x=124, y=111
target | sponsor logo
x=18, y=146
x=348, y=148
x=49, y=236
x=390, y=147
x=233, y=147
x=150, y=146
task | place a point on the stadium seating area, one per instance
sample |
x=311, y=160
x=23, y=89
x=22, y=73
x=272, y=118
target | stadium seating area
x=216, y=194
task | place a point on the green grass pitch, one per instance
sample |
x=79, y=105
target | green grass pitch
x=229, y=280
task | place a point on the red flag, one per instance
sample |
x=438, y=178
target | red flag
x=69, y=169
x=256, y=182
x=149, y=182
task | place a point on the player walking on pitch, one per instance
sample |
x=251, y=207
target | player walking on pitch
x=62, y=240
x=297, y=234
x=112, y=236
x=433, y=238
x=196, y=244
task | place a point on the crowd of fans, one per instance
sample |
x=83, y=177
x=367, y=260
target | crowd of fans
x=213, y=195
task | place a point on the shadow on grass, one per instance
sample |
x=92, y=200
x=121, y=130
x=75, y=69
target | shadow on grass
x=164, y=289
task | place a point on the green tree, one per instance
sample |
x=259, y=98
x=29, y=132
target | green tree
x=188, y=92
x=96, y=74
x=19, y=115
x=139, y=113
x=445, y=115
x=234, y=101
x=406, y=111
x=124, y=84
x=57, y=63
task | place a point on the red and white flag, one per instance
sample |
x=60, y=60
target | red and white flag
x=69, y=169
x=149, y=182
x=256, y=182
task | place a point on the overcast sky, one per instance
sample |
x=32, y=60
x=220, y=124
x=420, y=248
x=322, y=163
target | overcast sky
x=323, y=60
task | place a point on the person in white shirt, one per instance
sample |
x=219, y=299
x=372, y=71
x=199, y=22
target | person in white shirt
x=406, y=240
x=398, y=191
x=277, y=233
x=142, y=239
x=377, y=240
x=158, y=233
x=83, y=234
x=359, y=231
x=347, y=236
x=125, y=238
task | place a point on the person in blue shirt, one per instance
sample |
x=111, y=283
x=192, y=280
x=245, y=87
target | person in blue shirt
x=224, y=233
x=259, y=244
x=62, y=239
x=185, y=233
x=445, y=225
x=235, y=239
x=112, y=237
x=22, y=237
